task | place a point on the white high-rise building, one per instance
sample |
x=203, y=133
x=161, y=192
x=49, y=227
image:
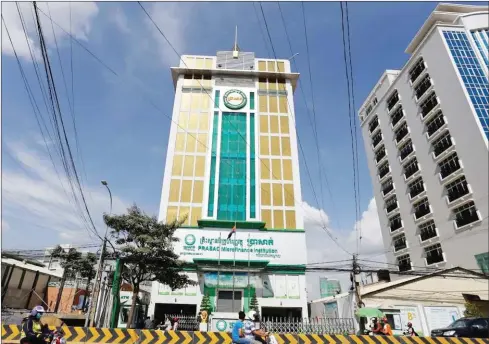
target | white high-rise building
x=426, y=130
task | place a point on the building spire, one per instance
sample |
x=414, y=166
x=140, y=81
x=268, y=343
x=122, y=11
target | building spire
x=236, y=47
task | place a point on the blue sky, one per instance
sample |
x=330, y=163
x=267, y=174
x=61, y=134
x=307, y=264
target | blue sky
x=123, y=138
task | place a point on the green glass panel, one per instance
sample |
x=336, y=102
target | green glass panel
x=483, y=262
x=252, y=100
x=216, y=99
x=252, y=167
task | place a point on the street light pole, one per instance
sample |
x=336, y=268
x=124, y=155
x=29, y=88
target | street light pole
x=96, y=290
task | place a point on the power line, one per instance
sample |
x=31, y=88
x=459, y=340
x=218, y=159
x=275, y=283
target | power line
x=261, y=29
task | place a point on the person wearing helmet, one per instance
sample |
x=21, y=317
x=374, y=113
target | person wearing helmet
x=410, y=330
x=376, y=328
x=250, y=330
x=32, y=329
x=386, y=328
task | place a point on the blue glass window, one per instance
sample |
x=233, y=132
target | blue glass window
x=470, y=70
x=481, y=38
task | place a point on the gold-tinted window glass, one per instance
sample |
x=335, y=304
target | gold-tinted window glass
x=276, y=170
x=183, y=120
x=199, y=63
x=287, y=169
x=190, y=143
x=264, y=150
x=266, y=216
x=275, y=145
x=281, y=67
x=184, y=213
x=286, y=146
x=196, y=215
x=283, y=104
x=188, y=166
x=273, y=104
x=284, y=124
x=180, y=142
x=265, y=168
x=196, y=100
x=197, y=196
x=186, y=191
x=274, y=129
x=202, y=143
x=199, y=166
x=272, y=84
x=263, y=103
x=177, y=165
x=171, y=214
x=185, y=101
x=278, y=219
x=193, y=121
x=262, y=84
x=205, y=102
x=266, y=194
x=277, y=195
x=204, y=122
x=263, y=124
x=289, y=195
x=290, y=219
x=262, y=66
x=271, y=66
x=174, y=190
x=208, y=63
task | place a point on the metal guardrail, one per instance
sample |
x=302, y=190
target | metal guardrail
x=310, y=325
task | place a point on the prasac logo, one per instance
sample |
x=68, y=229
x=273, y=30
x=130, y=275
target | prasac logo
x=221, y=325
x=190, y=239
x=234, y=99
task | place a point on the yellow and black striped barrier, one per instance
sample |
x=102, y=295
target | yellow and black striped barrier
x=80, y=335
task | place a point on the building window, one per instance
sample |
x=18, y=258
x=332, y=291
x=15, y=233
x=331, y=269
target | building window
x=472, y=74
x=401, y=132
x=481, y=39
x=212, y=179
x=435, y=123
x=416, y=71
x=466, y=214
x=392, y=100
x=429, y=104
x=434, y=254
x=397, y=116
x=252, y=167
x=380, y=153
x=216, y=99
x=423, y=86
x=252, y=100
x=373, y=124
x=225, y=302
x=483, y=262
x=368, y=110
x=395, y=222
x=427, y=230
x=376, y=139
x=442, y=143
x=449, y=166
x=422, y=208
x=457, y=189
x=400, y=242
x=375, y=101
x=404, y=263
x=411, y=168
x=391, y=204
x=384, y=169
x=416, y=187
x=387, y=186
x=406, y=149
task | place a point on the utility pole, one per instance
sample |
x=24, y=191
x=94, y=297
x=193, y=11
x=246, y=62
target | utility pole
x=98, y=276
x=355, y=284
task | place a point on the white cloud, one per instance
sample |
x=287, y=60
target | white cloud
x=82, y=15
x=41, y=198
x=120, y=20
x=5, y=225
x=322, y=248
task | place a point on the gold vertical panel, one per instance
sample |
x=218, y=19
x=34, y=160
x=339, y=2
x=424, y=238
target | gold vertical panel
x=189, y=62
x=273, y=104
x=188, y=166
x=288, y=175
x=197, y=196
x=265, y=168
x=197, y=82
x=277, y=195
x=184, y=213
x=204, y=122
x=278, y=219
x=190, y=148
x=199, y=166
x=283, y=104
x=275, y=145
x=206, y=99
x=286, y=146
x=196, y=101
x=266, y=194
x=284, y=124
x=281, y=84
x=171, y=214
x=263, y=124
x=208, y=63
x=274, y=129
x=183, y=120
x=281, y=67
x=205, y=83
x=264, y=150
x=199, y=63
x=276, y=171
x=174, y=190
x=202, y=143
x=188, y=82
x=272, y=84
x=193, y=121
x=271, y=66
x=185, y=101
x=196, y=215
x=289, y=195
x=186, y=191
x=180, y=142
x=262, y=66
x=263, y=103
x=176, y=169
x=262, y=84
x=290, y=219
x=266, y=216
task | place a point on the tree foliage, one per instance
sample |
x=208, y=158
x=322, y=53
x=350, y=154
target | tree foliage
x=472, y=310
x=206, y=304
x=146, y=249
x=254, y=304
x=74, y=263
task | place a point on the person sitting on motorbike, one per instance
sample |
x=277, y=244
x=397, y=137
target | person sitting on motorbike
x=33, y=331
x=386, y=329
x=376, y=327
x=410, y=330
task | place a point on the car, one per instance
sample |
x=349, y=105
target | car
x=465, y=327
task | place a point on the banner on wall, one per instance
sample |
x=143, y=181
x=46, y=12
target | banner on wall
x=267, y=286
x=293, y=287
x=410, y=314
x=280, y=287
x=226, y=280
x=440, y=317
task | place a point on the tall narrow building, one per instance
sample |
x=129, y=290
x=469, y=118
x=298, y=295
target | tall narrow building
x=232, y=162
x=426, y=130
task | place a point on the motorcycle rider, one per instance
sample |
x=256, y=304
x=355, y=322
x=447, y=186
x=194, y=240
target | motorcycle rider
x=410, y=330
x=376, y=327
x=32, y=329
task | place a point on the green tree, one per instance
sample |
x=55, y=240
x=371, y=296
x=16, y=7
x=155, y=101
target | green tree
x=146, y=249
x=254, y=304
x=206, y=304
x=472, y=310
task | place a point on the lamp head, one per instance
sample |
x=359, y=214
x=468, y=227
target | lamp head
x=104, y=182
